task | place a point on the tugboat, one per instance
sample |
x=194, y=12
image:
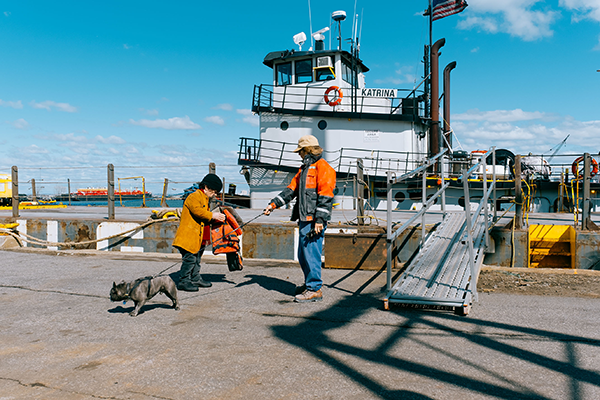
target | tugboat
x=323, y=92
x=366, y=132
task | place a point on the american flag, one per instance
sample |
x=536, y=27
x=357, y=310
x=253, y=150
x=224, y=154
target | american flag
x=443, y=8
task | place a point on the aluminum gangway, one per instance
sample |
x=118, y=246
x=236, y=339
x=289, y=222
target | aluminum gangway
x=446, y=268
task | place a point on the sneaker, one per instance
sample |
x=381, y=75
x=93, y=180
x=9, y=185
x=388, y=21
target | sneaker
x=187, y=287
x=201, y=283
x=309, y=296
x=300, y=289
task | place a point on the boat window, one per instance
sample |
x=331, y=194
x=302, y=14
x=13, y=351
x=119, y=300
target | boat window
x=284, y=73
x=347, y=72
x=325, y=74
x=304, y=71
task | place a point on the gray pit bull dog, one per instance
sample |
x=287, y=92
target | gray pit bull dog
x=143, y=289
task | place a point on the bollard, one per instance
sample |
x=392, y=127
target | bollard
x=15, y=191
x=111, y=191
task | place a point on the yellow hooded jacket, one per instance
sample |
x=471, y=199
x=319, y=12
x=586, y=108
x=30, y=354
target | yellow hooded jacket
x=194, y=215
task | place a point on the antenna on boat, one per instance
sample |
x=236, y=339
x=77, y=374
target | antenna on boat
x=319, y=36
x=310, y=23
x=339, y=16
x=299, y=39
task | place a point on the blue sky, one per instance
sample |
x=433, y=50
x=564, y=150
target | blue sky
x=168, y=86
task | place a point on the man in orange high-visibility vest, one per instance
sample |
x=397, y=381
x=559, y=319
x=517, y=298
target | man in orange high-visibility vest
x=313, y=188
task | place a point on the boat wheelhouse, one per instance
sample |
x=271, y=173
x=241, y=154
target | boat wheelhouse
x=324, y=93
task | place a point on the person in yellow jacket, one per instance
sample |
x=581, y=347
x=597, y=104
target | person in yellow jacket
x=188, y=239
x=313, y=188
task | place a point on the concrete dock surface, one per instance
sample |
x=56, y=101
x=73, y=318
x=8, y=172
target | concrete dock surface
x=62, y=338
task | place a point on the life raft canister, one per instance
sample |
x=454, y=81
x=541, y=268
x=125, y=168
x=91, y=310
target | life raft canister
x=579, y=173
x=337, y=98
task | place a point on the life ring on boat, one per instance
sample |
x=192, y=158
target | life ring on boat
x=579, y=173
x=338, y=96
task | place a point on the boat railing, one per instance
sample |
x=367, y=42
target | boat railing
x=344, y=160
x=305, y=99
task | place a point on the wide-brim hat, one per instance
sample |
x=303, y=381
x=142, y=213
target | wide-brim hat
x=306, y=141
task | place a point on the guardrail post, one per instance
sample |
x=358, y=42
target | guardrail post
x=469, y=229
x=443, y=178
x=518, y=195
x=585, y=214
x=33, y=191
x=423, y=201
x=390, y=247
x=561, y=195
x=69, y=190
x=15, y=191
x=360, y=192
x=163, y=199
x=485, y=199
x=111, y=191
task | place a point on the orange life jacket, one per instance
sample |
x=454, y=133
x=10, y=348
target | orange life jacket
x=225, y=235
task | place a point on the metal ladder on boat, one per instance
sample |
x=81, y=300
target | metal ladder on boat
x=446, y=269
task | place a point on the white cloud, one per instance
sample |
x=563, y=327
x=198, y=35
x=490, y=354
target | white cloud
x=215, y=119
x=111, y=139
x=518, y=18
x=20, y=124
x=171, y=123
x=7, y=13
x=149, y=112
x=523, y=137
x=126, y=46
x=224, y=106
x=33, y=149
x=14, y=104
x=49, y=105
x=249, y=117
x=498, y=115
x=402, y=75
x=584, y=9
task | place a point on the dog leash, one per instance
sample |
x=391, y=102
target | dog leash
x=203, y=247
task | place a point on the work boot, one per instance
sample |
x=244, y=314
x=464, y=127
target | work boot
x=201, y=283
x=187, y=286
x=197, y=278
x=309, y=296
x=300, y=289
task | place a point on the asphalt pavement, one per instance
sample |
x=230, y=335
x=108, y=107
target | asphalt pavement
x=244, y=338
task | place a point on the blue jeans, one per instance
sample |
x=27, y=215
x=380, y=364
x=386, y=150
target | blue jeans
x=309, y=255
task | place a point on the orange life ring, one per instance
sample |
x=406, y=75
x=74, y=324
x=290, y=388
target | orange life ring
x=339, y=95
x=579, y=173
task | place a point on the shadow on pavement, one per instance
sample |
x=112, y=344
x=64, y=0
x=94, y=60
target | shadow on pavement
x=313, y=336
x=269, y=283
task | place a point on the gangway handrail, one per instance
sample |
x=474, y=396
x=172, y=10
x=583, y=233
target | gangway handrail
x=391, y=236
x=470, y=223
x=483, y=204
